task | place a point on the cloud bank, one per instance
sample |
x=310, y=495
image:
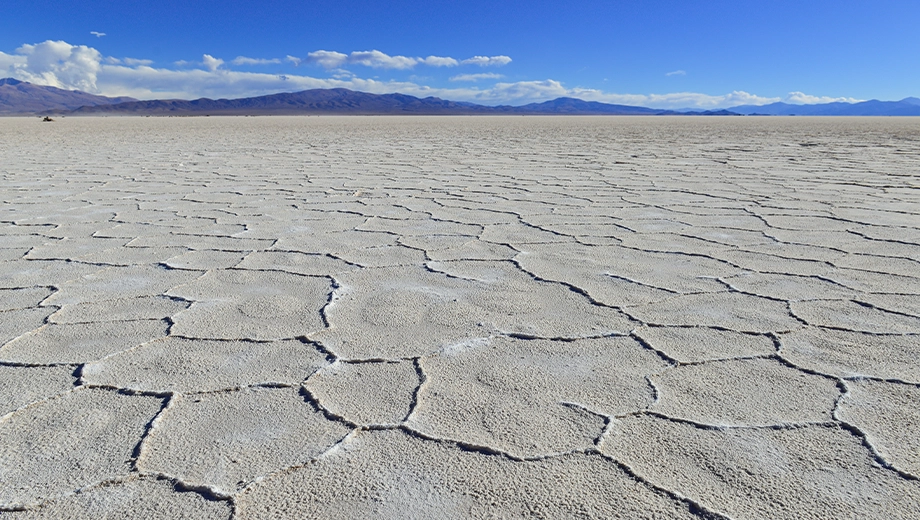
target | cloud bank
x=62, y=65
x=380, y=60
x=802, y=98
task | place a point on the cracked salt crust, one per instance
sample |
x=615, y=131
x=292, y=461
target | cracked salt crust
x=459, y=317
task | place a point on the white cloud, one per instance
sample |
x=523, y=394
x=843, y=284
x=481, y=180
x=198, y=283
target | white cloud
x=243, y=60
x=439, y=61
x=379, y=60
x=97, y=34
x=374, y=59
x=342, y=73
x=536, y=91
x=211, y=62
x=476, y=77
x=134, y=62
x=293, y=59
x=54, y=63
x=63, y=65
x=800, y=98
x=327, y=59
x=676, y=73
x=487, y=61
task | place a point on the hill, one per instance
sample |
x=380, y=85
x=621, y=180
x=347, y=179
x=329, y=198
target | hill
x=904, y=107
x=20, y=97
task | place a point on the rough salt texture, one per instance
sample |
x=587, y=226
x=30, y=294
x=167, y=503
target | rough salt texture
x=41, y=456
x=889, y=415
x=256, y=305
x=393, y=475
x=185, y=365
x=366, y=393
x=744, y=392
x=20, y=386
x=139, y=497
x=81, y=342
x=810, y=472
x=226, y=440
x=533, y=397
x=431, y=317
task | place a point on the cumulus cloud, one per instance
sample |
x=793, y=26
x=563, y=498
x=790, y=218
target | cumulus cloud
x=63, y=65
x=211, y=62
x=374, y=59
x=327, y=59
x=476, y=77
x=97, y=34
x=379, y=60
x=293, y=59
x=676, y=73
x=243, y=60
x=54, y=63
x=801, y=98
x=439, y=61
x=487, y=61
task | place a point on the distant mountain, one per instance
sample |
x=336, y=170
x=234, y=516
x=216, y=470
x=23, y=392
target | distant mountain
x=905, y=107
x=20, y=97
x=344, y=101
x=566, y=105
x=318, y=101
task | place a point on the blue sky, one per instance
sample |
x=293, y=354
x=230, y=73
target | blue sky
x=667, y=54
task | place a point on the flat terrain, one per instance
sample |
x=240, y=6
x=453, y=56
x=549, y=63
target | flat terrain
x=467, y=317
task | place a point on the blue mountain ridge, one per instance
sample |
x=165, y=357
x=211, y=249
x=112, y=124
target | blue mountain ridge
x=19, y=97
x=905, y=107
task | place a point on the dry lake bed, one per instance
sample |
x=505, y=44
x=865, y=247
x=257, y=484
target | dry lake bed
x=462, y=317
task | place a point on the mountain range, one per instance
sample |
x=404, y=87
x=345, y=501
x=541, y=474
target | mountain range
x=344, y=101
x=905, y=107
x=22, y=98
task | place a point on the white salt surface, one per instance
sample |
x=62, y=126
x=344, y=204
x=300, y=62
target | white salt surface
x=484, y=317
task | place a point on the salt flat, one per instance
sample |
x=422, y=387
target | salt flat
x=395, y=317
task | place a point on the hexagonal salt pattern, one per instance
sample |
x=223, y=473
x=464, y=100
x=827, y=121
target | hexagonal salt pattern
x=459, y=318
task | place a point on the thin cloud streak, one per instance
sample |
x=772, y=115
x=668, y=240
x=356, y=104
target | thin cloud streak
x=243, y=60
x=476, y=77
